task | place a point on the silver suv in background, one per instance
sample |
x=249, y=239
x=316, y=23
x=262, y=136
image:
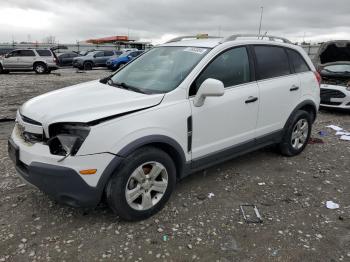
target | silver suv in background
x=94, y=59
x=40, y=60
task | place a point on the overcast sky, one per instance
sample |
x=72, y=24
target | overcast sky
x=159, y=20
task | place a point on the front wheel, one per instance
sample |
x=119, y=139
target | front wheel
x=296, y=134
x=142, y=185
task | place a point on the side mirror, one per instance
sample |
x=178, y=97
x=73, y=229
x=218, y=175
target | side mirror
x=7, y=55
x=129, y=56
x=210, y=87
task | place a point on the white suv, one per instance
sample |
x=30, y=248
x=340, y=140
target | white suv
x=178, y=108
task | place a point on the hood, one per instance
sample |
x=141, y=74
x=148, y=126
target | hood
x=86, y=102
x=334, y=51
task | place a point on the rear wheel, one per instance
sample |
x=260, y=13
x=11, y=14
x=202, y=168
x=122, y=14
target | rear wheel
x=87, y=66
x=296, y=134
x=142, y=185
x=40, y=68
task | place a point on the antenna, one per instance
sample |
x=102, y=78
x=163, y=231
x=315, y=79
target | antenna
x=261, y=17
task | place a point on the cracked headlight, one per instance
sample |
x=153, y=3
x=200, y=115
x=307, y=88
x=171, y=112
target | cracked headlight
x=66, y=139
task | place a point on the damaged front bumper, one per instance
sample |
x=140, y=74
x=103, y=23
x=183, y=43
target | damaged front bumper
x=61, y=179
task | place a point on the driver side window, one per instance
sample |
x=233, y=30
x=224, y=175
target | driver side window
x=230, y=67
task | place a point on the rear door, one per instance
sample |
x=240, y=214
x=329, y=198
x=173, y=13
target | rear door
x=279, y=88
x=229, y=120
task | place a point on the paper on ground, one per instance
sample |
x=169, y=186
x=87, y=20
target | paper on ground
x=346, y=138
x=336, y=128
x=332, y=205
x=340, y=133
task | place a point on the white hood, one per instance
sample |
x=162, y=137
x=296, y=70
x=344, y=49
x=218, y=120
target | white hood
x=85, y=102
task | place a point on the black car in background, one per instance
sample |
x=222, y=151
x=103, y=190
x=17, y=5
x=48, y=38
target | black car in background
x=66, y=59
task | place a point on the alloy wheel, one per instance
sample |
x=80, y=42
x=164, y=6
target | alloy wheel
x=146, y=186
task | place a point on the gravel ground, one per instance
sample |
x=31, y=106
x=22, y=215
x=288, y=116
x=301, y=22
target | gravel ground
x=289, y=192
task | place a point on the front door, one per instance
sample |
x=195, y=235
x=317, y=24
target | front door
x=230, y=120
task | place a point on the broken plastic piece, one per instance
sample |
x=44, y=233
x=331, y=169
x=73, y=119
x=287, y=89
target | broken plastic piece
x=247, y=218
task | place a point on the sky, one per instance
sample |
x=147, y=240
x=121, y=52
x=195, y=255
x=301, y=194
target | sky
x=160, y=20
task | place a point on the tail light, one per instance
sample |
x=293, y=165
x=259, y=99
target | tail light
x=318, y=78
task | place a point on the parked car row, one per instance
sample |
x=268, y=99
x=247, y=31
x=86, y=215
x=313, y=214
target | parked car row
x=112, y=59
x=45, y=60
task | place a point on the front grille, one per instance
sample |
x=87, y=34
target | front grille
x=330, y=93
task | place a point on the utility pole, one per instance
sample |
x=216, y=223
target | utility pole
x=261, y=17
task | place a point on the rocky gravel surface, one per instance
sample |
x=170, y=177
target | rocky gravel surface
x=202, y=221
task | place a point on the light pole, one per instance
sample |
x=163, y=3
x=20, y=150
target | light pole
x=261, y=17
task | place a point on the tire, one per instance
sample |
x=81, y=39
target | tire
x=87, y=66
x=40, y=68
x=1, y=69
x=296, y=134
x=148, y=200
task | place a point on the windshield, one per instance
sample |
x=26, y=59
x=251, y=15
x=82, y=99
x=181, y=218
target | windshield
x=161, y=69
x=338, y=68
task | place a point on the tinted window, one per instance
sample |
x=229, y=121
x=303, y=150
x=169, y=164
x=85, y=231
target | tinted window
x=44, y=52
x=73, y=55
x=297, y=61
x=25, y=53
x=271, y=61
x=14, y=53
x=231, y=67
x=63, y=56
x=109, y=53
x=99, y=54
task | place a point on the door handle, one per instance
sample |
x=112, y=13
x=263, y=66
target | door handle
x=294, y=88
x=251, y=99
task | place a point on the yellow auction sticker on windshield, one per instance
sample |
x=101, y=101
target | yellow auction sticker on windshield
x=195, y=50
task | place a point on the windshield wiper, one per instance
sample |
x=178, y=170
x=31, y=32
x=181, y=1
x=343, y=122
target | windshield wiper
x=128, y=87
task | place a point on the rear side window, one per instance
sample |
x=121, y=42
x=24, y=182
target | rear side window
x=26, y=53
x=230, y=67
x=271, y=62
x=297, y=61
x=109, y=53
x=99, y=54
x=44, y=52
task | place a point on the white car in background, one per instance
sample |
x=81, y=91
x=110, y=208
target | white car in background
x=333, y=61
x=178, y=108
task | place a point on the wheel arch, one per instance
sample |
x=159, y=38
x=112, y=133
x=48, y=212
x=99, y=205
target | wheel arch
x=308, y=106
x=165, y=143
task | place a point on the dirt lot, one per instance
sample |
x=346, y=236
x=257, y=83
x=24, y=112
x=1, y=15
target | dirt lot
x=290, y=194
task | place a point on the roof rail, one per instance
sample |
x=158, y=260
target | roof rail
x=180, y=38
x=269, y=37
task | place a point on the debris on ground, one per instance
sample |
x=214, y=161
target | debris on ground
x=210, y=195
x=248, y=217
x=322, y=133
x=336, y=128
x=332, y=205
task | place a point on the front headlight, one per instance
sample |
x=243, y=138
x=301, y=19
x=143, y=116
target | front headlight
x=67, y=138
